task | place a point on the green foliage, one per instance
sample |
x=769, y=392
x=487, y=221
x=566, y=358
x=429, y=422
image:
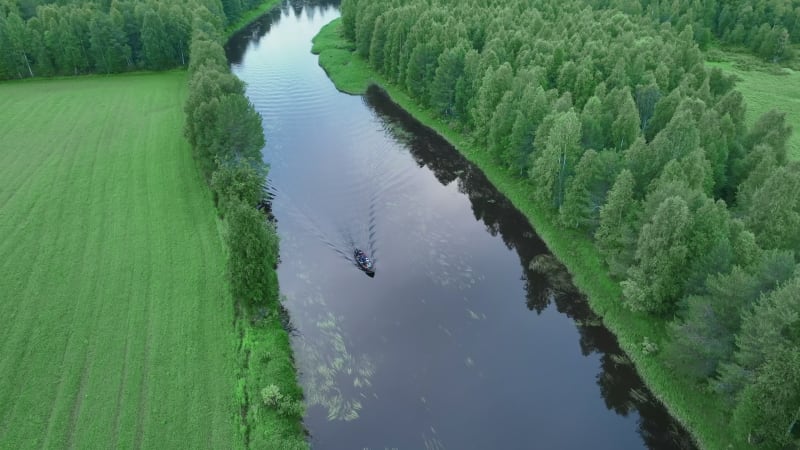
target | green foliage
x=625, y=126
x=704, y=336
x=494, y=85
x=768, y=411
x=212, y=93
x=656, y=280
x=616, y=236
x=253, y=253
x=770, y=129
x=285, y=405
x=238, y=129
x=533, y=107
x=557, y=162
x=678, y=139
x=771, y=325
x=71, y=38
x=238, y=180
x=449, y=70
x=594, y=177
x=109, y=45
x=774, y=212
x=649, y=347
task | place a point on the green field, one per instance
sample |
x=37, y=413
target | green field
x=767, y=89
x=115, y=315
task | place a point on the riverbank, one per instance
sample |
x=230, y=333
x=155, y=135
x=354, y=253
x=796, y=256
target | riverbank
x=250, y=17
x=268, y=396
x=702, y=413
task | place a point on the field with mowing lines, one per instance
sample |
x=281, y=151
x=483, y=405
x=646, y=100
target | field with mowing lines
x=763, y=91
x=115, y=316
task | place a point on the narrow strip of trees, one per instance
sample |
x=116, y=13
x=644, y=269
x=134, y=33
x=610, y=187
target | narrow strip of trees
x=625, y=134
x=227, y=137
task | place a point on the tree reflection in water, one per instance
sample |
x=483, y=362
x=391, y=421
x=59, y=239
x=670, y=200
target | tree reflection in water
x=547, y=281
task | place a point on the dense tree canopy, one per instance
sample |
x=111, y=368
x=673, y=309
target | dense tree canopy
x=42, y=38
x=767, y=27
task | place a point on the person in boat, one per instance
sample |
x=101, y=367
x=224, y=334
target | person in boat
x=362, y=259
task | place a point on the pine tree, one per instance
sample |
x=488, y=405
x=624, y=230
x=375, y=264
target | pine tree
x=533, y=107
x=494, y=85
x=448, y=72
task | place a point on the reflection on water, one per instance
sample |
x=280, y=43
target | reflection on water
x=547, y=280
x=471, y=335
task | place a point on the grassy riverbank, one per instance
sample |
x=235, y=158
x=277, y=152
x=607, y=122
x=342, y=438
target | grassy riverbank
x=764, y=87
x=115, y=314
x=702, y=413
x=266, y=378
x=250, y=17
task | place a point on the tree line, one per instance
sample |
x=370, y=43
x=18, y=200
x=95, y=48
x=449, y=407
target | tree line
x=40, y=38
x=227, y=137
x=626, y=136
x=766, y=27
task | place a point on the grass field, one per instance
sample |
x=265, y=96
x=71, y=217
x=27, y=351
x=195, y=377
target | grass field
x=115, y=316
x=764, y=89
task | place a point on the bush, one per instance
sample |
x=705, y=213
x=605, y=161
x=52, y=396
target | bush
x=283, y=404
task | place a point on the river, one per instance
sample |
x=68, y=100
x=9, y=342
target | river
x=456, y=342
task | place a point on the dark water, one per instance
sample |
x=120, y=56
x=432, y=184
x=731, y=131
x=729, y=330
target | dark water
x=456, y=343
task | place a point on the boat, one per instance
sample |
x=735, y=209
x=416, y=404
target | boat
x=363, y=262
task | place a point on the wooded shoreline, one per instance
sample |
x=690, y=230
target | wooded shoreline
x=699, y=412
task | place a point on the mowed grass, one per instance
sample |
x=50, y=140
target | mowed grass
x=767, y=89
x=115, y=316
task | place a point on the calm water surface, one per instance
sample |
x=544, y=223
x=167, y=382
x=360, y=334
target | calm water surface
x=457, y=342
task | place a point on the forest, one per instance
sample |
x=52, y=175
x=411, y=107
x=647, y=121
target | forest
x=626, y=136
x=42, y=38
x=767, y=28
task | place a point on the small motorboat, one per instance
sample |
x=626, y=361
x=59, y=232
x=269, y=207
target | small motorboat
x=364, y=262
